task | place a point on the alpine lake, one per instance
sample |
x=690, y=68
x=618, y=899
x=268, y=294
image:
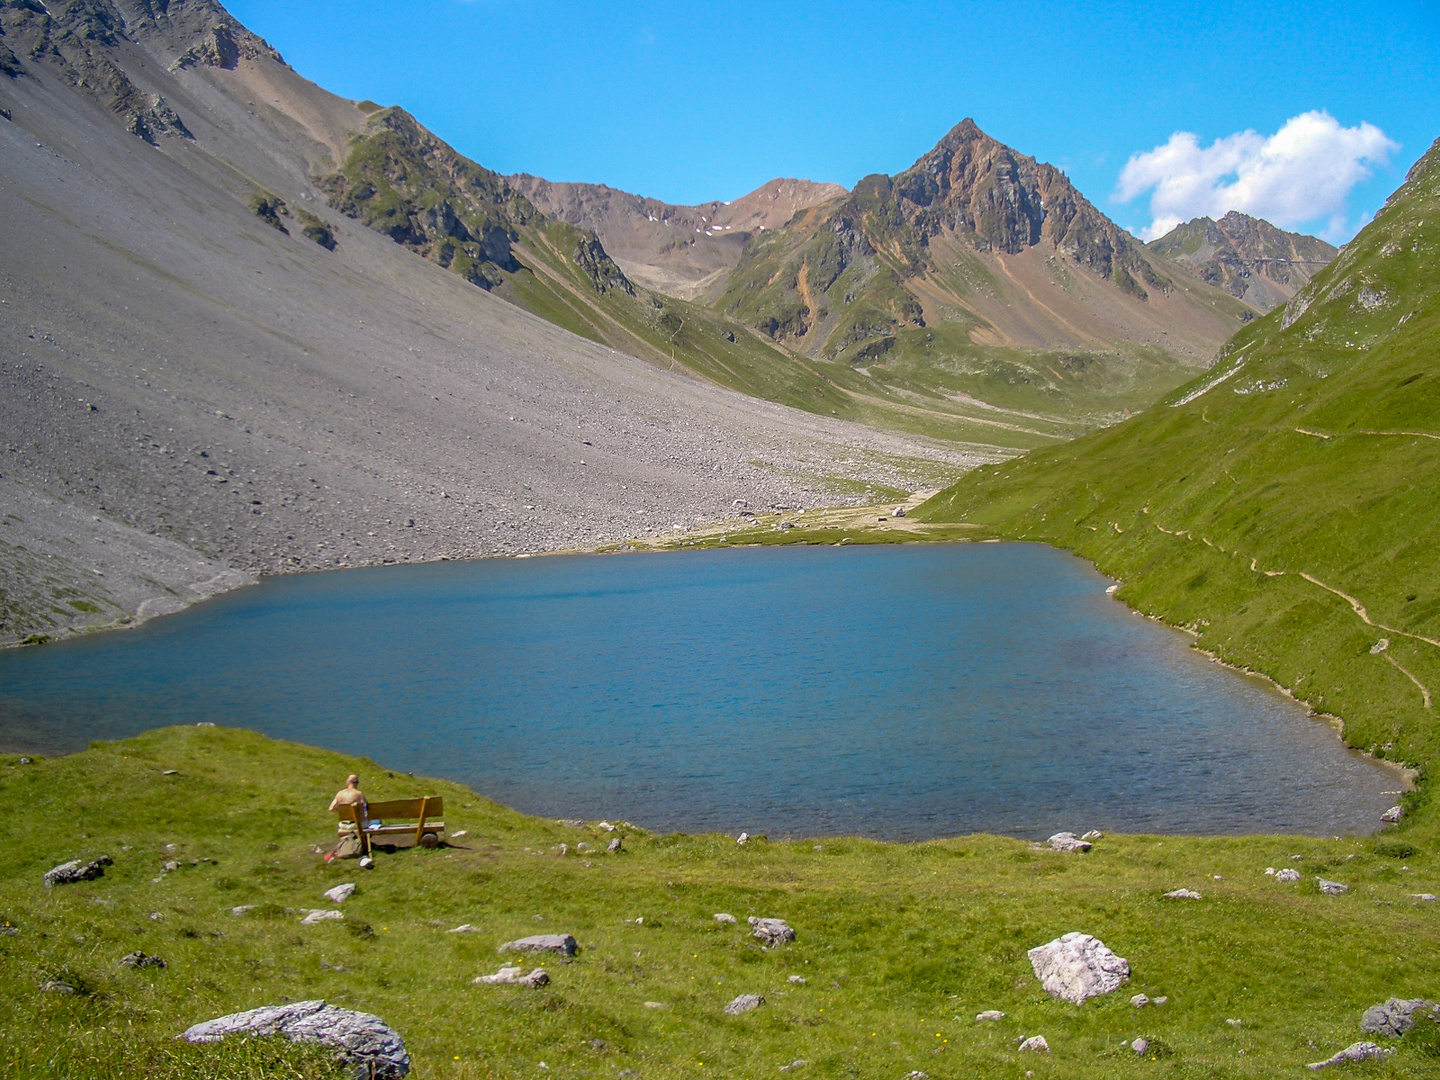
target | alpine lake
x=896, y=692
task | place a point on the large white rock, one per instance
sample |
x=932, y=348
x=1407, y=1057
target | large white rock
x=1077, y=966
x=360, y=1039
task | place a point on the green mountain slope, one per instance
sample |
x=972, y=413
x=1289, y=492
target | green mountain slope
x=1283, y=507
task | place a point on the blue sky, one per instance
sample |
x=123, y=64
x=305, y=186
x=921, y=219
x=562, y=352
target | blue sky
x=693, y=101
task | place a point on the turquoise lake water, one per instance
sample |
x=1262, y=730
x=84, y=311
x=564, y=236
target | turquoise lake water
x=894, y=692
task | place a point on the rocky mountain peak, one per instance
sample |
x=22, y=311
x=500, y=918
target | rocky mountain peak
x=1002, y=200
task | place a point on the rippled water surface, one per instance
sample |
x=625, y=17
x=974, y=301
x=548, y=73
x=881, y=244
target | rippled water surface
x=897, y=692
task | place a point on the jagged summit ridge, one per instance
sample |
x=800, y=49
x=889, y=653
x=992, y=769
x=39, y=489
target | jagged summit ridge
x=1008, y=201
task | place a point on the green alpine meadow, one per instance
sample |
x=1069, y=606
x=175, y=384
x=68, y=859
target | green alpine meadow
x=898, y=947
x=1157, y=311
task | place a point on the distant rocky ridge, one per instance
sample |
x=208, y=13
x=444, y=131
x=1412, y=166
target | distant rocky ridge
x=684, y=251
x=1248, y=257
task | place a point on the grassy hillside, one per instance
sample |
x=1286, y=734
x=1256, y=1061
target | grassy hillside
x=899, y=946
x=1282, y=506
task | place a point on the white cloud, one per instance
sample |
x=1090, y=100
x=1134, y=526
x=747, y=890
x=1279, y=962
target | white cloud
x=1304, y=172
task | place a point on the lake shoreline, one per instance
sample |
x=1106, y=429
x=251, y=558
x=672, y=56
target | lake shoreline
x=1184, y=787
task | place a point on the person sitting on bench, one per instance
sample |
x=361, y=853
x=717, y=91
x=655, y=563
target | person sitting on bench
x=349, y=795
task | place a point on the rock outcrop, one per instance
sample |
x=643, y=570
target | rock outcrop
x=773, y=932
x=515, y=976
x=560, y=944
x=1395, y=1017
x=359, y=1039
x=76, y=870
x=1360, y=1051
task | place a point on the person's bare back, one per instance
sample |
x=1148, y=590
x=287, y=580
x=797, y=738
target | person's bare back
x=349, y=795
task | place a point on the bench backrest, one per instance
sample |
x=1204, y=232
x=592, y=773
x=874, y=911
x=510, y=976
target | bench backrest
x=431, y=805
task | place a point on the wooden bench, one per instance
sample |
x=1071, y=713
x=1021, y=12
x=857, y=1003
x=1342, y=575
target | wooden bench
x=425, y=812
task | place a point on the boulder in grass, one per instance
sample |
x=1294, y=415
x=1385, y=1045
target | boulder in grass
x=989, y=1016
x=1182, y=894
x=560, y=944
x=1332, y=888
x=1396, y=1016
x=773, y=932
x=1287, y=875
x=514, y=976
x=359, y=1039
x=743, y=1004
x=68, y=873
x=1076, y=966
x=1361, y=1051
x=724, y=918
x=140, y=960
x=1068, y=841
x=1035, y=1044
x=340, y=893
x=1391, y=816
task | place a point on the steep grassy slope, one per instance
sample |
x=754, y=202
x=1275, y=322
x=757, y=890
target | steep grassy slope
x=1283, y=506
x=1248, y=257
x=898, y=946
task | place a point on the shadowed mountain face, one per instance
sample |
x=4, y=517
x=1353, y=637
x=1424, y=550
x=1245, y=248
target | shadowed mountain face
x=208, y=372
x=685, y=251
x=1248, y=257
x=1282, y=506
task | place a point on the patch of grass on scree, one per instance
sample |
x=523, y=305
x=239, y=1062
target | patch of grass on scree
x=900, y=945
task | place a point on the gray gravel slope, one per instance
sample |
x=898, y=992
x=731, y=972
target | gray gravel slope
x=177, y=368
